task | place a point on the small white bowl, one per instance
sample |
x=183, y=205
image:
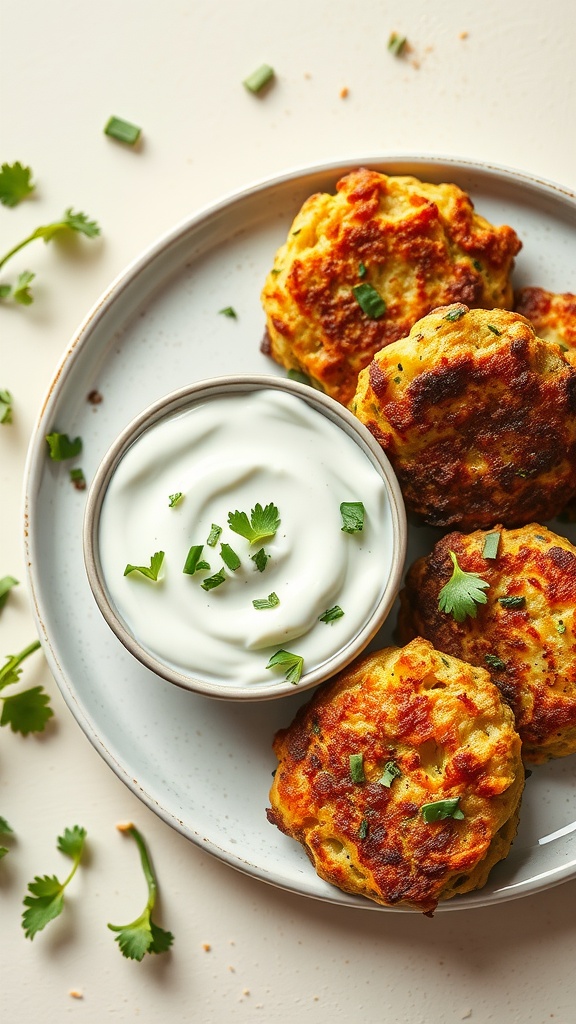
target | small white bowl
x=210, y=683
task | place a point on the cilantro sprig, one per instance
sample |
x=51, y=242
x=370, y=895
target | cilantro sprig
x=142, y=935
x=149, y=571
x=5, y=830
x=29, y=710
x=15, y=183
x=263, y=523
x=462, y=593
x=46, y=899
x=71, y=222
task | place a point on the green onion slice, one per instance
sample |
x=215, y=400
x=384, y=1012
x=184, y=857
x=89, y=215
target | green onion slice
x=122, y=131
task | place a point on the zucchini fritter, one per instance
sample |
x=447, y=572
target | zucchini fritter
x=525, y=634
x=477, y=416
x=398, y=730
x=552, y=315
x=417, y=245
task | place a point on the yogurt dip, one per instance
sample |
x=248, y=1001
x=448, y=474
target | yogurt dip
x=227, y=454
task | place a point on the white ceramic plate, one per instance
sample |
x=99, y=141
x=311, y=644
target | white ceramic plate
x=204, y=766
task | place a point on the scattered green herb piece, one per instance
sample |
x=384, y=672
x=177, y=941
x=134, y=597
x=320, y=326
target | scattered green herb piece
x=491, y=544
x=151, y=571
x=512, y=602
x=272, y=601
x=15, y=183
x=560, y=626
x=260, y=559
x=29, y=710
x=315, y=727
x=193, y=563
x=46, y=898
x=356, y=762
x=362, y=271
x=297, y=375
x=211, y=582
x=123, y=131
x=174, y=499
x=391, y=772
x=397, y=380
x=5, y=830
x=214, y=535
x=297, y=232
x=78, y=479
x=77, y=222
x=331, y=614
x=455, y=314
x=259, y=78
x=292, y=663
x=477, y=265
x=142, y=935
x=62, y=447
x=262, y=525
x=439, y=809
x=229, y=557
x=494, y=330
x=463, y=592
x=562, y=346
x=5, y=406
x=493, y=661
x=352, y=513
x=230, y=312
x=369, y=300
x=364, y=829
x=20, y=292
x=396, y=44
x=6, y=584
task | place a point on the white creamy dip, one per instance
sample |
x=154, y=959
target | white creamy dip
x=230, y=453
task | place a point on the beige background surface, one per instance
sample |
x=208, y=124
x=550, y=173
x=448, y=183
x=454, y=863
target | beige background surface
x=493, y=82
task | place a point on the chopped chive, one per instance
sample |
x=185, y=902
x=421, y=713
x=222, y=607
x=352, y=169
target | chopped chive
x=391, y=772
x=260, y=559
x=491, y=543
x=512, y=602
x=272, y=601
x=369, y=300
x=352, y=513
x=122, y=131
x=364, y=829
x=259, y=78
x=362, y=270
x=439, y=809
x=229, y=557
x=193, y=563
x=214, y=535
x=455, y=314
x=331, y=614
x=211, y=582
x=494, y=330
x=357, y=768
x=78, y=479
x=396, y=44
x=493, y=661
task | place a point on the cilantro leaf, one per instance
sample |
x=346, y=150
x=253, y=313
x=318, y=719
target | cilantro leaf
x=5, y=406
x=370, y=301
x=46, y=898
x=4, y=831
x=292, y=663
x=26, y=712
x=62, y=447
x=151, y=571
x=6, y=584
x=75, y=222
x=143, y=935
x=463, y=592
x=262, y=524
x=15, y=183
x=21, y=292
x=352, y=513
x=10, y=672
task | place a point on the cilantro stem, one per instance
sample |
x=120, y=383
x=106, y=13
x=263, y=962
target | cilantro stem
x=146, y=866
x=17, y=248
x=7, y=670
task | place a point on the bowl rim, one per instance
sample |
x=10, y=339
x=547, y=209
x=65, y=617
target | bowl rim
x=177, y=401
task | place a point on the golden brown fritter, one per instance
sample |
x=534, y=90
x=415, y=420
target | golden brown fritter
x=525, y=634
x=398, y=730
x=477, y=416
x=416, y=244
x=552, y=315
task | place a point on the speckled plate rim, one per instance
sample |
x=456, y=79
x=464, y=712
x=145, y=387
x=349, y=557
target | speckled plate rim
x=450, y=168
